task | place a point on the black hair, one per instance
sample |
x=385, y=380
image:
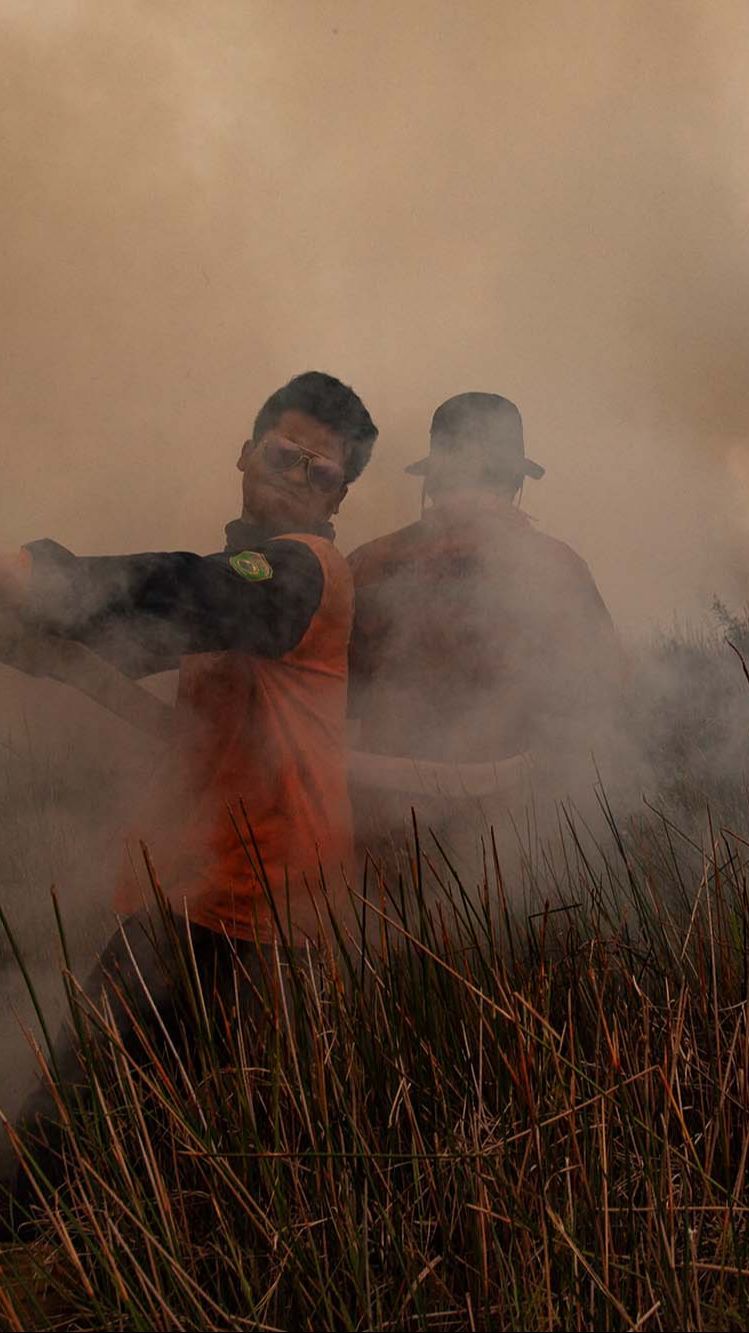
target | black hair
x=330, y=402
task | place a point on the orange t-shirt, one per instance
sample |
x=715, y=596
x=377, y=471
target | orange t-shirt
x=251, y=803
x=476, y=637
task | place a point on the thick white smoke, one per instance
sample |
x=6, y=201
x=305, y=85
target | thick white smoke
x=546, y=201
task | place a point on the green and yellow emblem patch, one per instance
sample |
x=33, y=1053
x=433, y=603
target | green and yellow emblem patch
x=251, y=565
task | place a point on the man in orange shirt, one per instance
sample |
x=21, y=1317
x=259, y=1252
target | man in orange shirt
x=252, y=825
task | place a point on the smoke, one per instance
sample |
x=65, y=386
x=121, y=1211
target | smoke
x=422, y=199
x=546, y=201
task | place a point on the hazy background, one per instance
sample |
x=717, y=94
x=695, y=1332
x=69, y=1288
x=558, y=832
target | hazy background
x=546, y=198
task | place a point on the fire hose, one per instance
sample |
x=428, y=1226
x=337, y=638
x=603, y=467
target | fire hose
x=72, y=664
x=433, y=778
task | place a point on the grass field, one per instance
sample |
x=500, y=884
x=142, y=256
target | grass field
x=522, y=1105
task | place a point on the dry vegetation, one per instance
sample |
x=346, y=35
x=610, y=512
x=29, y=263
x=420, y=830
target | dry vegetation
x=470, y=1118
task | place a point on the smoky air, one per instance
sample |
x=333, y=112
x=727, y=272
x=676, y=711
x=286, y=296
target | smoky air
x=198, y=206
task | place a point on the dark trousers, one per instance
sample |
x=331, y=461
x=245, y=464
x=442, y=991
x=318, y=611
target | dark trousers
x=148, y=966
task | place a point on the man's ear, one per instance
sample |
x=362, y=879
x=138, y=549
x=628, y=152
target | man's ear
x=341, y=497
x=247, y=448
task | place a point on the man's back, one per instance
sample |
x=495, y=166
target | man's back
x=476, y=636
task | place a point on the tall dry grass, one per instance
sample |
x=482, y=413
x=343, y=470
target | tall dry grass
x=466, y=1118
x=521, y=1104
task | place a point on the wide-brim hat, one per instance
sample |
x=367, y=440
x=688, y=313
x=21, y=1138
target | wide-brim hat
x=483, y=421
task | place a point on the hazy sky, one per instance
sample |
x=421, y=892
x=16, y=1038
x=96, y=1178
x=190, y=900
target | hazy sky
x=544, y=198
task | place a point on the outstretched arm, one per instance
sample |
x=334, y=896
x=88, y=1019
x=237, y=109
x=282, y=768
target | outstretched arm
x=143, y=612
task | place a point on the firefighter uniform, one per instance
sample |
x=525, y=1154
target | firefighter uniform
x=249, y=806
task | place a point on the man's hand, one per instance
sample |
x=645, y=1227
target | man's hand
x=14, y=572
x=15, y=647
x=38, y=653
x=20, y=647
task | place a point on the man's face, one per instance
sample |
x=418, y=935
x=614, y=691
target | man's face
x=287, y=500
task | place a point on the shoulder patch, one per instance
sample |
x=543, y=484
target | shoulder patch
x=251, y=565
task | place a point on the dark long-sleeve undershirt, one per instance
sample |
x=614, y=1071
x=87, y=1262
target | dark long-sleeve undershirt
x=144, y=612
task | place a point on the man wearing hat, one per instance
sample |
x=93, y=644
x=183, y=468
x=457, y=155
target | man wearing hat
x=476, y=638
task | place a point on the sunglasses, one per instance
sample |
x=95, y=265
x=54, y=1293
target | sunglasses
x=322, y=473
